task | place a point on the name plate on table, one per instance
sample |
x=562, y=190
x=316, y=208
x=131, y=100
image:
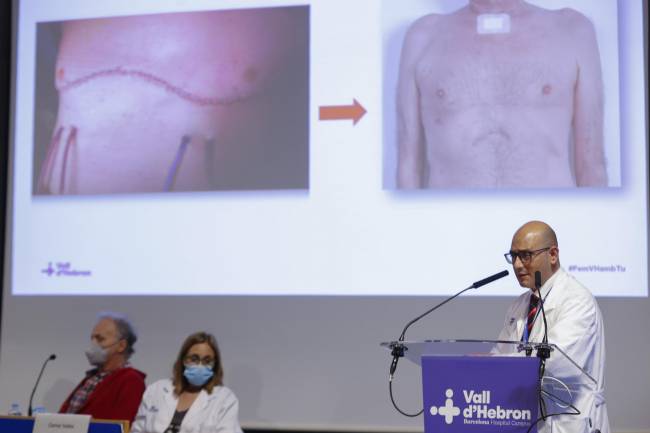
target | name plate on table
x=60, y=423
x=480, y=394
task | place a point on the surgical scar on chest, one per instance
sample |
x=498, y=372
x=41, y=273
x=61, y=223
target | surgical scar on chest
x=63, y=85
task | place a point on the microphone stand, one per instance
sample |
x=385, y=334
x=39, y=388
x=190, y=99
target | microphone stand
x=31, y=397
x=398, y=350
x=544, y=352
x=398, y=347
x=543, y=349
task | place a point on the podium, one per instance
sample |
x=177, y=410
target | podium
x=486, y=386
x=25, y=424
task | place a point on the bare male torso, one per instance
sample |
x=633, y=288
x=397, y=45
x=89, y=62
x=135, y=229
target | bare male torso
x=516, y=109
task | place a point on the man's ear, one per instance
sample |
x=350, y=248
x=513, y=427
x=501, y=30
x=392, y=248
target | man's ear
x=121, y=346
x=554, y=252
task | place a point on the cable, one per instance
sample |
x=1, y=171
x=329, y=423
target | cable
x=556, y=399
x=390, y=392
x=544, y=418
x=542, y=369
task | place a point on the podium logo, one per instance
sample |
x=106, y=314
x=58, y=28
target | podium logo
x=449, y=411
x=478, y=409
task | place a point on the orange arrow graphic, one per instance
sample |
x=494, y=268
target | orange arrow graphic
x=342, y=112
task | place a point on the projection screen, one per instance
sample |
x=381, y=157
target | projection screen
x=242, y=167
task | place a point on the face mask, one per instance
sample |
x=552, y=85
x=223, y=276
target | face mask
x=197, y=375
x=96, y=354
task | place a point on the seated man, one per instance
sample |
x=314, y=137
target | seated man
x=113, y=389
x=501, y=94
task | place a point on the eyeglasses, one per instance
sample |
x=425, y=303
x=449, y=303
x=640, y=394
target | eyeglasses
x=524, y=256
x=208, y=361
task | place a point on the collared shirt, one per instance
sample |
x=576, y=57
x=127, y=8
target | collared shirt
x=544, y=291
x=93, y=378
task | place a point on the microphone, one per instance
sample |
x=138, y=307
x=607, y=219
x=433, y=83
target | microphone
x=489, y=279
x=538, y=281
x=398, y=349
x=543, y=351
x=31, y=397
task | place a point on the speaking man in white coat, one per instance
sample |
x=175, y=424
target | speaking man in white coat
x=575, y=326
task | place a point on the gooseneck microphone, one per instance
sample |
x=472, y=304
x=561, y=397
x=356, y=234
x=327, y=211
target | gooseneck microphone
x=543, y=351
x=475, y=285
x=489, y=279
x=31, y=397
x=398, y=348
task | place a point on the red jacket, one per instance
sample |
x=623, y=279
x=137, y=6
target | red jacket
x=116, y=397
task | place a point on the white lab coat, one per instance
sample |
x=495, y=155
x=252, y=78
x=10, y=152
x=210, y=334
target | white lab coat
x=217, y=412
x=575, y=325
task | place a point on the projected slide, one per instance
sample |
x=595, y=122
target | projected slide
x=503, y=100
x=324, y=147
x=173, y=102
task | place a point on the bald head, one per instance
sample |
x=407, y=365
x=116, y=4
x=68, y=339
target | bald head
x=537, y=243
x=539, y=231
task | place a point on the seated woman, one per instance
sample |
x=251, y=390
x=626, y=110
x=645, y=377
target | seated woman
x=194, y=399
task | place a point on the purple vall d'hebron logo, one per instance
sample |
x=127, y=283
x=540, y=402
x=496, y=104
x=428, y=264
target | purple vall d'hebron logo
x=482, y=394
x=64, y=269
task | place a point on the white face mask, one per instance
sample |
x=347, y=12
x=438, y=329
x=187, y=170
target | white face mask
x=96, y=354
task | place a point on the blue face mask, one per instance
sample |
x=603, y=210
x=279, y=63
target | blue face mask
x=197, y=375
